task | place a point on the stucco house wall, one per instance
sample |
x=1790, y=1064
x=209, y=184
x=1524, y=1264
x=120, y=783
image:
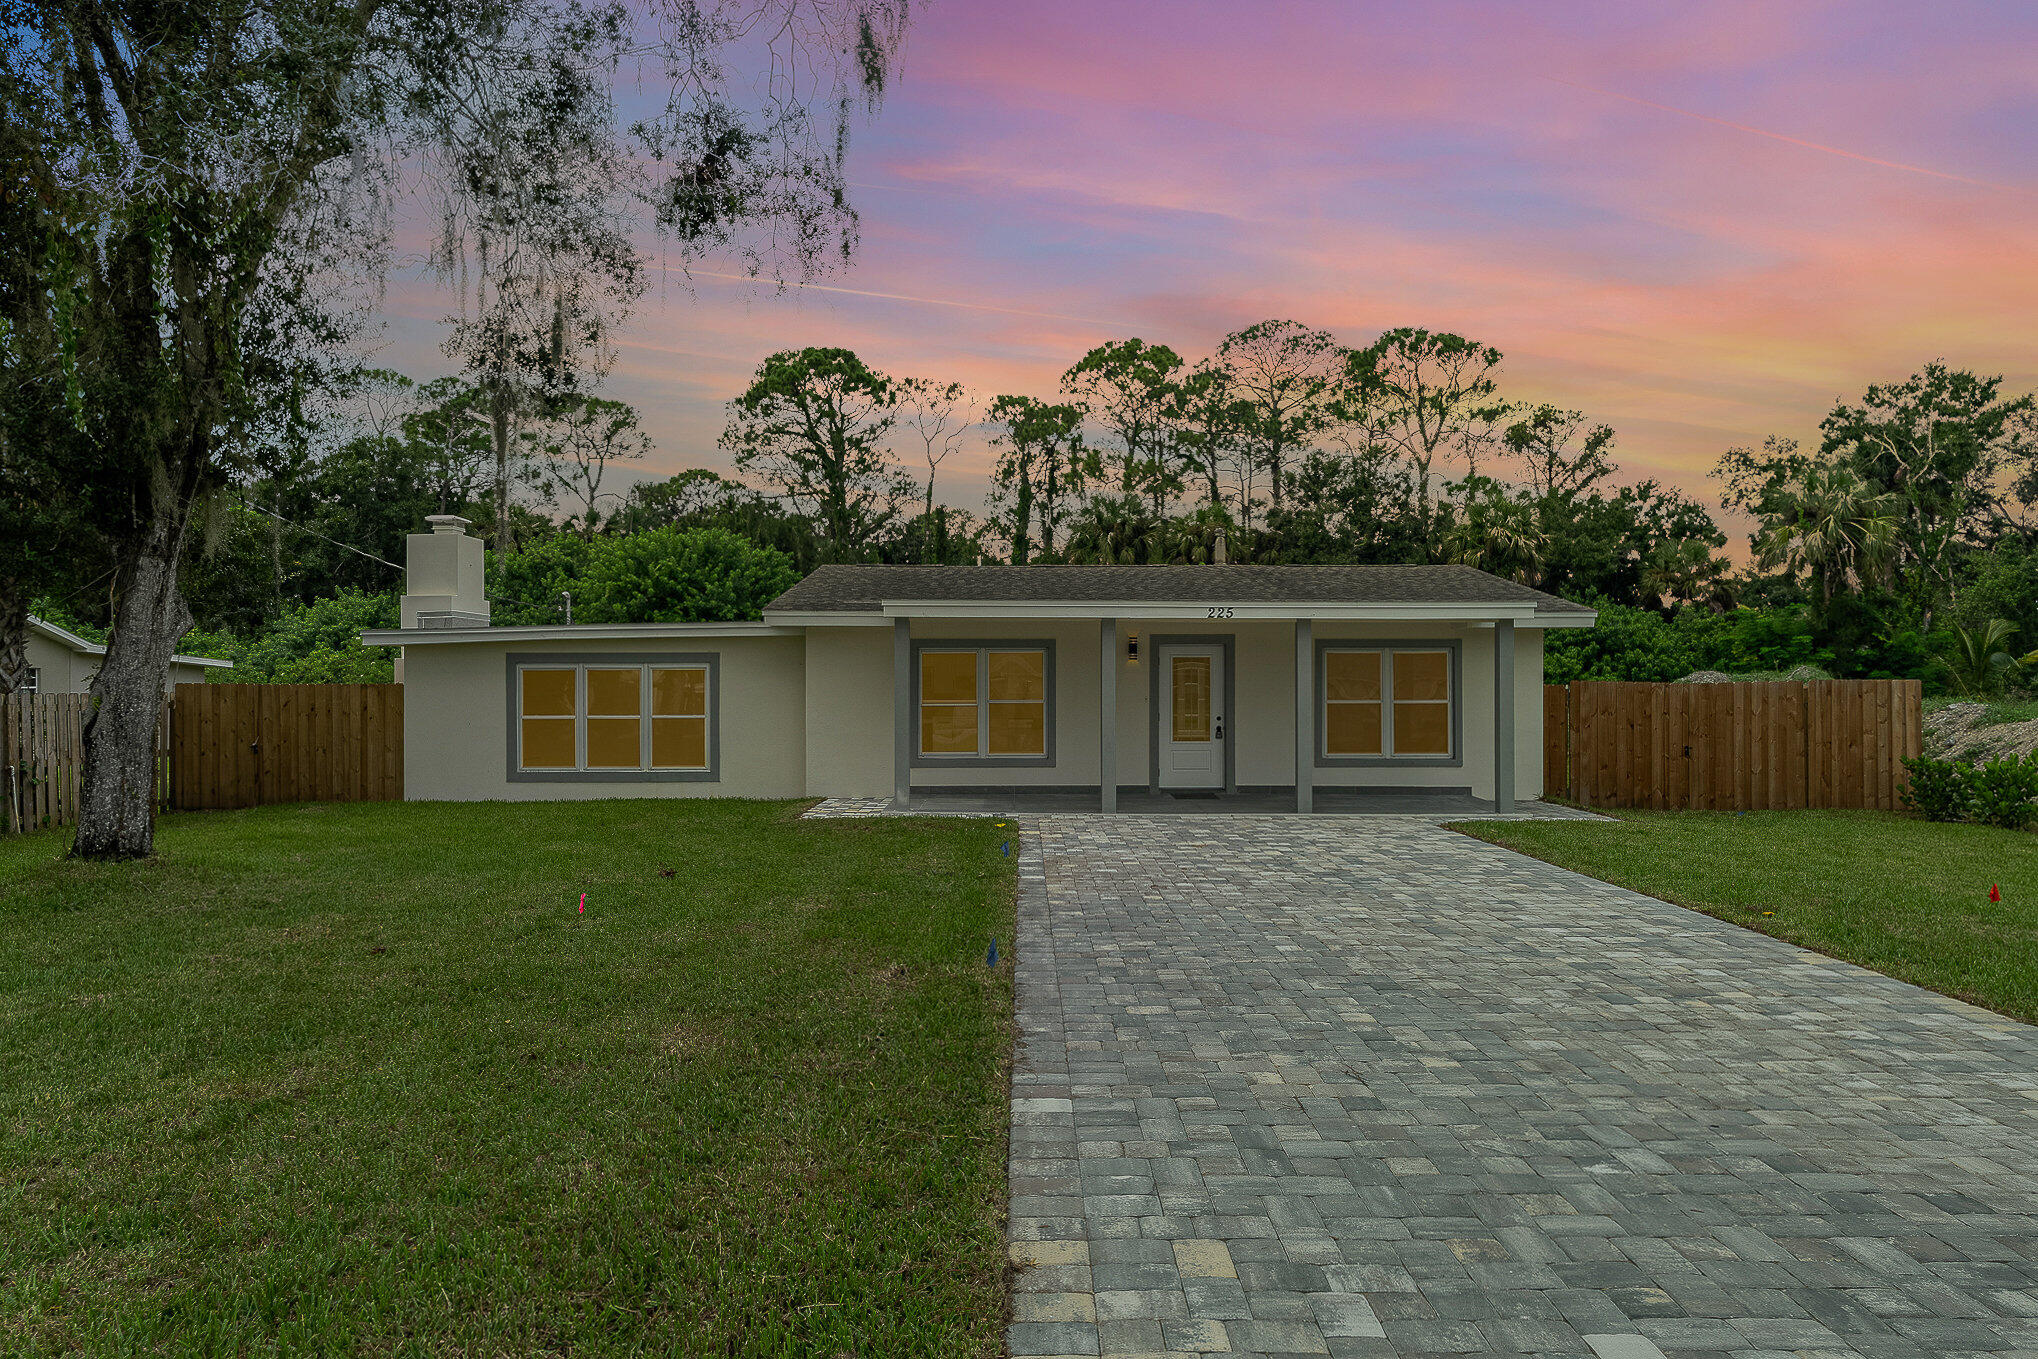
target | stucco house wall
x=456, y=720
x=849, y=706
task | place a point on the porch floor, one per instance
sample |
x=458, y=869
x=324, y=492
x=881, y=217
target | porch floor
x=1438, y=804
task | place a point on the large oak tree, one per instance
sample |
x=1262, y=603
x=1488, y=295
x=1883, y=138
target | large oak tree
x=190, y=183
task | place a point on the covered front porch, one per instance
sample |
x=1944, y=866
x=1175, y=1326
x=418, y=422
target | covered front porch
x=1218, y=710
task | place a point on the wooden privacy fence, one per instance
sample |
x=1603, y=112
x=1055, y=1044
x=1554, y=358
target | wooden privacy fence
x=247, y=745
x=1731, y=747
x=42, y=758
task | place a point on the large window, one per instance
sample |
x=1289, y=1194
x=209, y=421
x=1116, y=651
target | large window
x=983, y=702
x=612, y=718
x=1386, y=702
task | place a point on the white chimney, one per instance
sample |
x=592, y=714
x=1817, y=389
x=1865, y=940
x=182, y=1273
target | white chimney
x=444, y=581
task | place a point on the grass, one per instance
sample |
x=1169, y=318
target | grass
x=1907, y=898
x=361, y=1080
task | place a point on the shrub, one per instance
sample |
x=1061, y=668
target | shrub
x=683, y=576
x=2004, y=792
x=319, y=643
x=1937, y=790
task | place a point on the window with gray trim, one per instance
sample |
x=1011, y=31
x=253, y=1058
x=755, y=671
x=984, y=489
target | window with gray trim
x=1388, y=702
x=983, y=703
x=576, y=718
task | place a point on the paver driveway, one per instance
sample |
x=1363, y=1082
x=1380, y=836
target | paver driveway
x=1369, y=1087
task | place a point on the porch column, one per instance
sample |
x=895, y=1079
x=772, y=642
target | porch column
x=902, y=712
x=1305, y=717
x=1107, y=715
x=1503, y=715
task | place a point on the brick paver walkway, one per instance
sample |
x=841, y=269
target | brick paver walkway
x=1360, y=1087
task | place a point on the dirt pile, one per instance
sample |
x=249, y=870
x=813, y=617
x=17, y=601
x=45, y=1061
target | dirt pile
x=1951, y=733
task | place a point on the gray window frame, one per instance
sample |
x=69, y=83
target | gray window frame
x=555, y=660
x=983, y=647
x=1456, y=650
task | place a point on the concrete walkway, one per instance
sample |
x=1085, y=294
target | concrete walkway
x=1355, y=1087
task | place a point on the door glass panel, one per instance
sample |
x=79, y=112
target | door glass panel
x=679, y=742
x=612, y=742
x=1018, y=728
x=679, y=692
x=548, y=742
x=548, y=693
x=1018, y=675
x=1189, y=685
x=948, y=730
x=948, y=677
x=615, y=693
x=1351, y=674
x=1421, y=728
x=1422, y=674
x=1352, y=729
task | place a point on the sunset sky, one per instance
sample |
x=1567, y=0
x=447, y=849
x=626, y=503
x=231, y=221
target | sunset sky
x=1698, y=223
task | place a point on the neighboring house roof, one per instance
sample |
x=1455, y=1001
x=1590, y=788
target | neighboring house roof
x=865, y=589
x=65, y=637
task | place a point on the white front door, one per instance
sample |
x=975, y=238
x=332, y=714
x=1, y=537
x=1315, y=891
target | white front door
x=1192, y=716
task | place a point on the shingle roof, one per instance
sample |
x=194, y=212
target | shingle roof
x=866, y=588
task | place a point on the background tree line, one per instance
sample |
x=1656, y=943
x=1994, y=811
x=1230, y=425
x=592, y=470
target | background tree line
x=1901, y=544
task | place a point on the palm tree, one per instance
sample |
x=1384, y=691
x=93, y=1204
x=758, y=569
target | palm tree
x=1980, y=659
x=1493, y=531
x=1833, y=528
x=1113, y=531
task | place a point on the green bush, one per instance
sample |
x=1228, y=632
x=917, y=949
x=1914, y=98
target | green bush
x=320, y=643
x=1938, y=789
x=2003, y=792
x=684, y=576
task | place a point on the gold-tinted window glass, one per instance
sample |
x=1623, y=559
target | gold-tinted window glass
x=1189, y=695
x=612, y=717
x=679, y=717
x=1387, y=701
x=1352, y=721
x=1018, y=702
x=983, y=701
x=547, y=718
x=948, y=702
x=1422, y=702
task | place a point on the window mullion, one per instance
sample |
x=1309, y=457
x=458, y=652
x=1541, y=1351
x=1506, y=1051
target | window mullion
x=1386, y=702
x=580, y=718
x=983, y=701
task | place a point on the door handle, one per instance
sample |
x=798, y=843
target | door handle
x=1218, y=731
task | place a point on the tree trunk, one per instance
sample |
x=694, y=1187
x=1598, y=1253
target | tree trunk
x=1022, y=515
x=499, y=435
x=13, y=636
x=117, y=801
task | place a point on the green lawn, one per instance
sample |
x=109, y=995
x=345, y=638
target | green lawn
x=360, y=1079
x=1909, y=898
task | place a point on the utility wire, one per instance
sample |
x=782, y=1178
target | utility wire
x=260, y=509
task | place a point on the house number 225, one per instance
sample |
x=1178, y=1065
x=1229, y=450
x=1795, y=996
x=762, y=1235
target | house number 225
x=1218, y=611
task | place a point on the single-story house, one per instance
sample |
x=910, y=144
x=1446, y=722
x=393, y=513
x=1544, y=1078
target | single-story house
x=901, y=681
x=62, y=662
